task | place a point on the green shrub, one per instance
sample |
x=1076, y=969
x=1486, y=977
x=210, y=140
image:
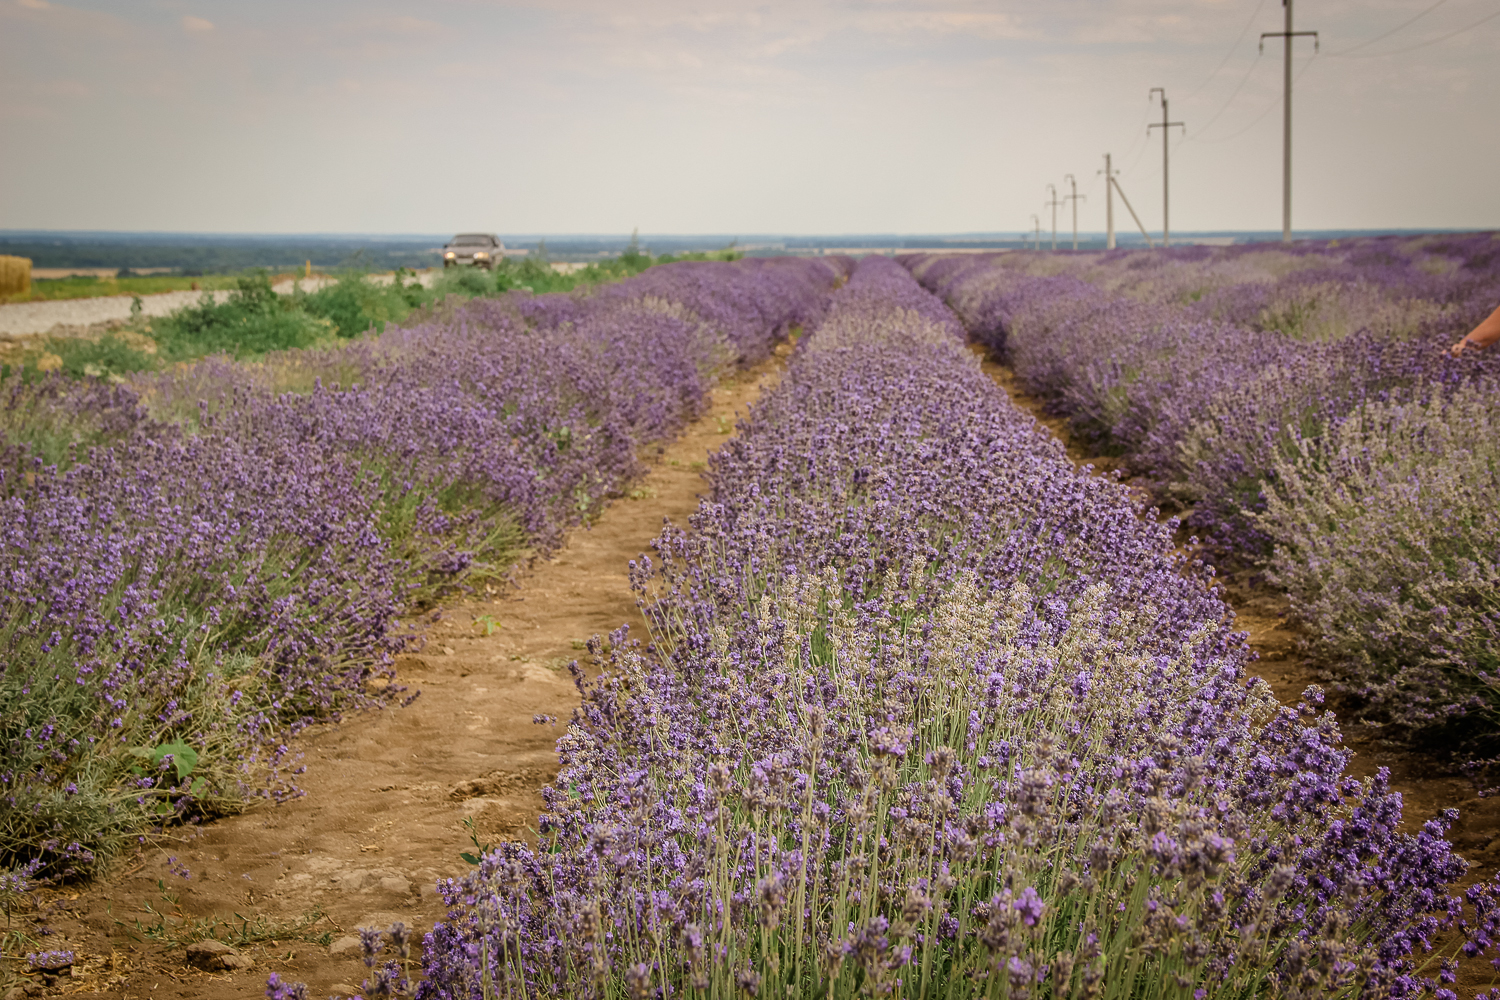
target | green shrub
x=252, y=321
x=356, y=305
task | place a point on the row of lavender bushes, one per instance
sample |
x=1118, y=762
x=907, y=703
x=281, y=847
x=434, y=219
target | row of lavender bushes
x=1301, y=404
x=198, y=561
x=928, y=713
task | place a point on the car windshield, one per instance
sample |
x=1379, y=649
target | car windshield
x=470, y=241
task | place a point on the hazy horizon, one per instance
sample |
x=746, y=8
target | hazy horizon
x=955, y=237
x=815, y=117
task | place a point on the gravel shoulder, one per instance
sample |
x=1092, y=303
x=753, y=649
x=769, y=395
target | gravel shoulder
x=23, y=319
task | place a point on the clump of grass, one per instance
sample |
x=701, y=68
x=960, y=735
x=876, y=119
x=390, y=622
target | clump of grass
x=175, y=929
x=112, y=355
x=117, y=353
x=535, y=272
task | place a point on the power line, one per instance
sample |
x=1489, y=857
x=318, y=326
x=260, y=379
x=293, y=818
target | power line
x=1260, y=117
x=1238, y=38
x=1142, y=139
x=1388, y=34
x=1423, y=45
x=1225, y=106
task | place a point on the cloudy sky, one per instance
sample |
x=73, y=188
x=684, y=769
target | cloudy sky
x=783, y=116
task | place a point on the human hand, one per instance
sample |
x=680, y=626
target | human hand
x=1480, y=337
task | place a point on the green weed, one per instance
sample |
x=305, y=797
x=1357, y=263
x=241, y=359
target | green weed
x=175, y=930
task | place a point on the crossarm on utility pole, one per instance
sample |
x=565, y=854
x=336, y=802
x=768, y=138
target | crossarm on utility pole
x=1121, y=192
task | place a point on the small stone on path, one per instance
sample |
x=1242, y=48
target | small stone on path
x=216, y=956
x=343, y=944
x=396, y=884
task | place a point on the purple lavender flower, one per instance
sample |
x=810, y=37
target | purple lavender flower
x=861, y=727
x=217, y=555
x=276, y=989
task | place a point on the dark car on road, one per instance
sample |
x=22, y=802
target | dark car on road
x=479, y=249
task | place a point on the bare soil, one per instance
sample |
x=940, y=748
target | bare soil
x=388, y=791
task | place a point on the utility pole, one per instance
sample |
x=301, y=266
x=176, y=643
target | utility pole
x=1109, y=204
x=1054, y=202
x=1038, y=223
x=1286, y=113
x=1074, y=199
x=1165, y=126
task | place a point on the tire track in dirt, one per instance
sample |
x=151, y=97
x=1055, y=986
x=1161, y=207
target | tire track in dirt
x=388, y=791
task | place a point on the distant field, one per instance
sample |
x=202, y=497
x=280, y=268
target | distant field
x=80, y=286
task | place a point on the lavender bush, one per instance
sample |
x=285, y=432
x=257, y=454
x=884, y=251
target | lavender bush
x=1214, y=372
x=1387, y=544
x=194, y=561
x=929, y=713
x=1192, y=364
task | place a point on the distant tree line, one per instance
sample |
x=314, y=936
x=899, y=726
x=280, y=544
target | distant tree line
x=221, y=257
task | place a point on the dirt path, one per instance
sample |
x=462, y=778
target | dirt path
x=387, y=793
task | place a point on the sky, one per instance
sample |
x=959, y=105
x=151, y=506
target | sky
x=785, y=116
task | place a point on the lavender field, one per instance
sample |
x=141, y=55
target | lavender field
x=1299, y=407
x=923, y=711
x=928, y=712
x=196, y=563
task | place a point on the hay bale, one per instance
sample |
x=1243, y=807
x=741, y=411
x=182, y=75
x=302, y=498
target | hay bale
x=15, y=276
